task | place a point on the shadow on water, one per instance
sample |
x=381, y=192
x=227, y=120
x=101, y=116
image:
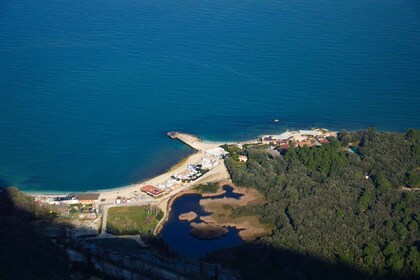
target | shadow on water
x=229, y=193
x=27, y=254
x=3, y=183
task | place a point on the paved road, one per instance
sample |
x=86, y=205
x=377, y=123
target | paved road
x=104, y=218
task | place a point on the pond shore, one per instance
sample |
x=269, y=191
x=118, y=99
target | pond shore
x=250, y=227
x=222, y=213
x=166, y=204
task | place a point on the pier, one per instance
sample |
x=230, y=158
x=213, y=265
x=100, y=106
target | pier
x=192, y=141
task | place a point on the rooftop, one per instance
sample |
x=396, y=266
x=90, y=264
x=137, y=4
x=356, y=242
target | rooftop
x=151, y=190
x=87, y=196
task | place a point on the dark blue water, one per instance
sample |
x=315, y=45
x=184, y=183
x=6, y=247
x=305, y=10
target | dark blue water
x=228, y=192
x=88, y=89
x=176, y=233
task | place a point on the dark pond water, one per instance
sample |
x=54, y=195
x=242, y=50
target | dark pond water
x=176, y=233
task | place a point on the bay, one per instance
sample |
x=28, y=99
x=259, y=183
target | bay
x=88, y=89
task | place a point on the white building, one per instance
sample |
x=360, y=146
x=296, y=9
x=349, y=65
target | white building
x=217, y=152
x=243, y=158
x=300, y=135
x=311, y=133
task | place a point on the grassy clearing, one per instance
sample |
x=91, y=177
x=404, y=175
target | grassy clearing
x=133, y=220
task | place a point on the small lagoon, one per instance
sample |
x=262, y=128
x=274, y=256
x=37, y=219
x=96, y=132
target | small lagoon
x=177, y=233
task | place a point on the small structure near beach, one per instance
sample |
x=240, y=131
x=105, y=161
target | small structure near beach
x=87, y=198
x=152, y=190
x=217, y=152
x=300, y=138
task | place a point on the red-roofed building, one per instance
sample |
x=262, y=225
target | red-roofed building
x=151, y=190
x=323, y=141
x=284, y=146
x=301, y=144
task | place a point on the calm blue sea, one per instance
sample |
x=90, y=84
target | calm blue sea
x=88, y=89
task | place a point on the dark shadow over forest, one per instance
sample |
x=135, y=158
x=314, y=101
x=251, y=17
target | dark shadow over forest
x=25, y=253
x=259, y=261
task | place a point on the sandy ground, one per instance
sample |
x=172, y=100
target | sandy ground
x=189, y=216
x=134, y=190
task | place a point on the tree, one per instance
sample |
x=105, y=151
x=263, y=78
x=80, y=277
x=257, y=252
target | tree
x=382, y=183
x=414, y=178
x=280, y=179
x=413, y=260
x=413, y=135
x=365, y=199
x=369, y=251
x=325, y=188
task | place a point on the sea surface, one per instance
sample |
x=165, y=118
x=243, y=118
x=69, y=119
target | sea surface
x=176, y=233
x=88, y=89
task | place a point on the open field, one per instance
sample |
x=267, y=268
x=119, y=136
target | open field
x=133, y=220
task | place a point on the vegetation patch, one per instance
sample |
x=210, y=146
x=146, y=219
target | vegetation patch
x=189, y=216
x=133, y=220
x=207, y=231
x=349, y=209
x=207, y=188
x=223, y=213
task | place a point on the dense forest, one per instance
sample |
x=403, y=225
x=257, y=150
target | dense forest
x=354, y=208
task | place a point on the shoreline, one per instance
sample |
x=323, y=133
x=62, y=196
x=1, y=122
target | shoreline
x=194, y=142
x=170, y=201
x=248, y=231
x=204, y=150
x=172, y=168
x=184, y=159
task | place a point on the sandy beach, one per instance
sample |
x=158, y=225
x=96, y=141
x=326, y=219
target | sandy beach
x=201, y=146
x=206, y=151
